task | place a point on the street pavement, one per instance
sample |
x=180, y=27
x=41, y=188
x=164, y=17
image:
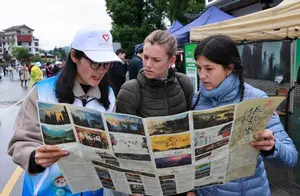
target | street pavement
x=10, y=93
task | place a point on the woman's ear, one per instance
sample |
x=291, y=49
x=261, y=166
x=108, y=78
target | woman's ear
x=172, y=61
x=229, y=69
x=74, y=59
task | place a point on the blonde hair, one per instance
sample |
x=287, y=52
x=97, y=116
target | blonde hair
x=161, y=37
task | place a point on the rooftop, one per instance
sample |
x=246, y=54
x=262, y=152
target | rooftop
x=13, y=28
x=230, y=5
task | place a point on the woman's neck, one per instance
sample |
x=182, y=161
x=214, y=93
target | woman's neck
x=163, y=76
x=80, y=80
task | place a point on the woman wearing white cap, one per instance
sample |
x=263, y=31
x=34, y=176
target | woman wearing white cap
x=82, y=82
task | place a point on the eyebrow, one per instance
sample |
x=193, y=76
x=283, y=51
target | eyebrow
x=206, y=65
x=155, y=57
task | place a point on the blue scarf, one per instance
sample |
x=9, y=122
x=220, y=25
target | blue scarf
x=227, y=91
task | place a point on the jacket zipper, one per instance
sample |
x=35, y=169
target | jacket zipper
x=166, y=98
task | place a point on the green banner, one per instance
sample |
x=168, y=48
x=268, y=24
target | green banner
x=297, y=65
x=190, y=64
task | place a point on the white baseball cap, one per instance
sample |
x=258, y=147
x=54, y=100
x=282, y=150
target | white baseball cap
x=96, y=43
x=57, y=63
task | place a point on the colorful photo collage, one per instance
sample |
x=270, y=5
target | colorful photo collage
x=108, y=158
x=135, y=183
x=55, y=124
x=105, y=178
x=168, y=184
x=205, y=184
x=206, y=152
x=111, y=167
x=204, y=175
x=170, y=134
x=202, y=171
x=127, y=136
x=133, y=177
x=89, y=127
x=212, y=130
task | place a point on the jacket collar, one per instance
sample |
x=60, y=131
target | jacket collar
x=155, y=82
x=94, y=91
x=226, y=91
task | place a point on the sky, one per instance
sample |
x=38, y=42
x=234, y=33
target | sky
x=55, y=22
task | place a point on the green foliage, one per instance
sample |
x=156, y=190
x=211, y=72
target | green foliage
x=6, y=56
x=36, y=58
x=176, y=9
x=133, y=20
x=20, y=53
x=59, y=52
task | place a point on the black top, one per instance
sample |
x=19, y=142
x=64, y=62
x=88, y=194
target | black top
x=85, y=88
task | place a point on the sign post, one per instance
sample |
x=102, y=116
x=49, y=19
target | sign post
x=190, y=64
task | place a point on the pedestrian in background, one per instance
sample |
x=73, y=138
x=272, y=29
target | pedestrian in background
x=24, y=74
x=136, y=63
x=57, y=68
x=48, y=70
x=117, y=75
x=36, y=74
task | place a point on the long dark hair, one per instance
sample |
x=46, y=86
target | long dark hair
x=222, y=50
x=65, y=83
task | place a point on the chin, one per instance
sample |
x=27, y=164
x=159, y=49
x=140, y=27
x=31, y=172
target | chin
x=209, y=88
x=94, y=83
x=149, y=76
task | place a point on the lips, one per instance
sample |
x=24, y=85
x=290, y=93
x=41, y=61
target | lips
x=148, y=71
x=96, y=78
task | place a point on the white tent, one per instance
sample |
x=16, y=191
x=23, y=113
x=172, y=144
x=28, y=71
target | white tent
x=278, y=23
x=275, y=23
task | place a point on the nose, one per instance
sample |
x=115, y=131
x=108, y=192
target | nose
x=202, y=75
x=147, y=63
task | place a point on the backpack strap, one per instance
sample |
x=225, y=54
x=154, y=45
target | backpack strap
x=181, y=83
x=138, y=90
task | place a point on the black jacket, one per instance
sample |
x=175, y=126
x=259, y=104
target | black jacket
x=134, y=66
x=117, y=76
x=149, y=97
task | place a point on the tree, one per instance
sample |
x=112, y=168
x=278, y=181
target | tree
x=133, y=20
x=62, y=53
x=59, y=52
x=20, y=53
x=6, y=56
x=178, y=9
x=36, y=58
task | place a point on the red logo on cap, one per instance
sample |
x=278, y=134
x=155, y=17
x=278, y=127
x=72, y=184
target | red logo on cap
x=105, y=37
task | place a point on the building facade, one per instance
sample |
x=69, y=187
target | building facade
x=21, y=35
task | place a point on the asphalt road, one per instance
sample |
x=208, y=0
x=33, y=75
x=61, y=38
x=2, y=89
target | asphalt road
x=10, y=93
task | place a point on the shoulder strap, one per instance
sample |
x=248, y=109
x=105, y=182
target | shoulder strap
x=184, y=91
x=138, y=89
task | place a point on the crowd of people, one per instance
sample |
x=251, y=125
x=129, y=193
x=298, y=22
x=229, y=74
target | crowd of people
x=95, y=77
x=33, y=72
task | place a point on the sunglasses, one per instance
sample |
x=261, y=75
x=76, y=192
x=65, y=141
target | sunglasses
x=96, y=65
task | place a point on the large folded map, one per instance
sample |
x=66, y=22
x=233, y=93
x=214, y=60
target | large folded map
x=158, y=155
